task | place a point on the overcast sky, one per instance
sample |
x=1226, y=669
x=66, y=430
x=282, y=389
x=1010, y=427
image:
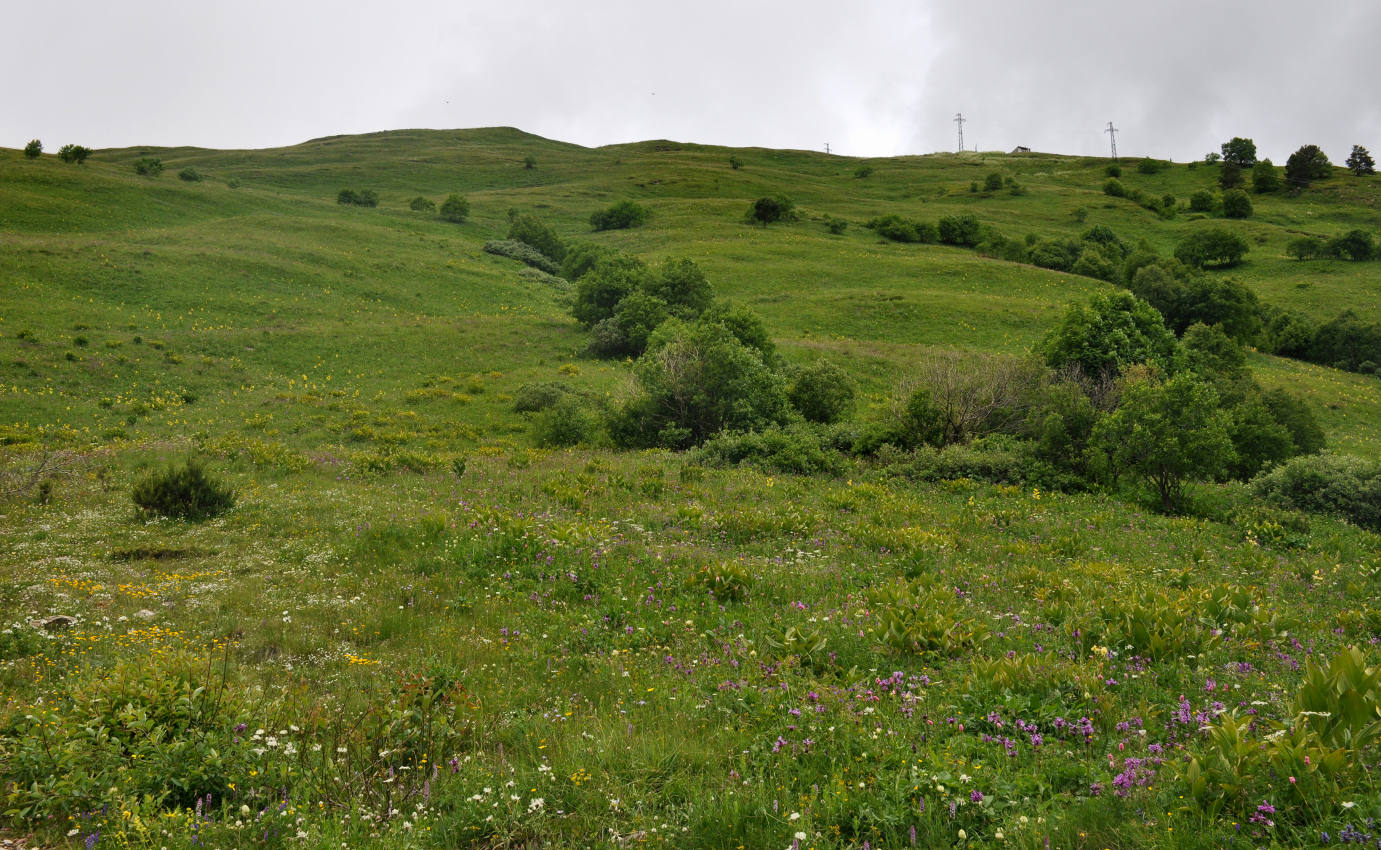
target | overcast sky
x=871, y=78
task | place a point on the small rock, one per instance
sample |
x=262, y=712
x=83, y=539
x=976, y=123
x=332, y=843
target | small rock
x=145, y=614
x=55, y=623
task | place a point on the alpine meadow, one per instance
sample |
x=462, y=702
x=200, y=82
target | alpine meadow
x=469, y=489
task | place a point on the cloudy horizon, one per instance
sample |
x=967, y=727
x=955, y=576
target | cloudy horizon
x=878, y=79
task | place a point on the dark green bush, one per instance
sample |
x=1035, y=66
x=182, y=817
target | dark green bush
x=1236, y=204
x=1203, y=201
x=993, y=182
x=835, y=225
x=568, y=422
x=33, y=149
x=530, y=229
x=1307, y=247
x=191, y=175
x=74, y=153
x=1264, y=178
x=682, y=286
x=456, y=209
x=863, y=171
x=821, y=392
x=1151, y=166
x=898, y=229
x=963, y=230
x=611, y=278
x=423, y=205
x=620, y=216
x=1212, y=246
x=1112, y=170
x=796, y=449
x=184, y=492
x=772, y=208
x=1113, y=187
x=534, y=397
x=1354, y=245
x=1339, y=485
x=364, y=198
x=148, y=166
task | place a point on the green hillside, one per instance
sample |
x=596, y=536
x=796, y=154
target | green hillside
x=455, y=637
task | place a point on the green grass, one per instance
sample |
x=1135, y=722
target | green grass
x=404, y=572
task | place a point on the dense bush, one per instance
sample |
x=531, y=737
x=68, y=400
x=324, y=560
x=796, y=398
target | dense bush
x=898, y=229
x=149, y=166
x=1354, y=245
x=1110, y=333
x=682, y=286
x=1346, y=342
x=1230, y=176
x=821, y=392
x=33, y=149
x=960, y=230
x=183, y=492
x=365, y=198
x=1305, y=166
x=1203, y=201
x=534, y=397
x=768, y=209
x=993, y=182
x=74, y=153
x=423, y=205
x=456, y=208
x=1212, y=246
x=620, y=216
x=1151, y=166
x=1239, y=151
x=569, y=421
x=796, y=449
x=580, y=258
x=191, y=175
x=1340, y=485
x=612, y=278
x=530, y=230
x=1265, y=178
x=1237, y=204
x=1113, y=187
x=1307, y=247
x=522, y=252
x=1093, y=263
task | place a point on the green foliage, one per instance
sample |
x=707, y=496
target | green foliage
x=1359, y=162
x=538, y=396
x=1114, y=188
x=1168, y=434
x=1211, y=247
x=33, y=149
x=1346, y=342
x=620, y=216
x=1093, y=263
x=1151, y=166
x=768, y=209
x=1240, y=151
x=1298, y=418
x=863, y=171
x=74, y=153
x=1307, y=247
x=638, y=315
x=422, y=205
x=1354, y=245
x=529, y=163
x=697, y=380
x=1340, y=485
x=735, y=162
x=567, y=422
x=182, y=492
x=1110, y=333
x=364, y=198
x=963, y=230
x=612, y=278
x=726, y=581
x=1265, y=178
x=821, y=392
x=148, y=166
x=191, y=175
x=1230, y=176
x=1112, y=169
x=794, y=449
x=1259, y=440
x=1306, y=165
x=456, y=209
x=898, y=229
x=682, y=286
x=1203, y=201
x=1237, y=204
x=530, y=229
x=993, y=182
x=836, y=225
x=522, y=252
x=925, y=621
x=745, y=325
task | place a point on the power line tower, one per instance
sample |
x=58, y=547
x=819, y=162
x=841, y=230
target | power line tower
x=959, y=119
x=1112, y=135
x=827, y=148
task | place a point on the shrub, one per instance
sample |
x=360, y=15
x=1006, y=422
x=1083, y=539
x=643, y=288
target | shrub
x=191, y=175
x=1112, y=170
x=580, y=258
x=745, y=325
x=821, y=392
x=567, y=422
x=1305, y=166
x=184, y=492
x=534, y=397
x=1340, y=485
x=683, y=286
x=1112, y=186
x=1359, y=162
x=835, y=225
x=735, y=163
x=1202, y=201
x=599, y=291
x=796, y=449
x=620, y=216
x=1236, y=204
x=423, y=205
x=863, y=171
x=74, y=153
x=529, y=229
x=1110, y=333
x=456, y=209
x=1230, y=176
x=993, y=182
x=1151, y=166
x=1055, y=254
x=898, y=229
x=33, y=149
x=1264, y=177
x=768, y=209
x=1347, y=340
x=529, y=162
x=365, y=198
x=1211, y=246
x=1353, y=245
x=961, y=230
x=522, y=252
x=1168, y=434
x=638, y=315
x=148, y=166
x=1307, y=247
x=1092, y=263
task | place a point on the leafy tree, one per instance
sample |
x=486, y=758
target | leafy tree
x=1236, y=204
x=1346, y=341
x=1353, y=245
x=1214, y=356
x=683, y=287
x=423, y=205
x=1092, y=262
x=1212, y=246
x=638, y=315
x=1230, y=177
x=581, y=258
x=530, y=229
x=1211, y=157
x=620, y=216
x=1169, y=434
x=599, y=291
x=863, y=172
x=1298, y=418
x=768, y=209
x=1240, y=151
x=697, y=380
x=1114, y=188
x=364, y=198
x=1202, y=201
x=735, y=163
x=1113, y=331
x=1223, y=303
x=149, y=166
x=1264, y=178
x=191, y=175
x=456, y=208
x=1259, y=440
x=33, y=149
x=821, y=392
x=993, y=182
x=1307, y=247
x=74, y=153
x=1107, y=241
x=745, y=325
x=1359, y=161
x=1149, y=166
x=1305, y=166
x=898, y=229
x=529, y=162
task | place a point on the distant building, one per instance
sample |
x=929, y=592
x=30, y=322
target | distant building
x=1021, y=149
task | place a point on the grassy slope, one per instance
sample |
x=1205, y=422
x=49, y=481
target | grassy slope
x=311, y=339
